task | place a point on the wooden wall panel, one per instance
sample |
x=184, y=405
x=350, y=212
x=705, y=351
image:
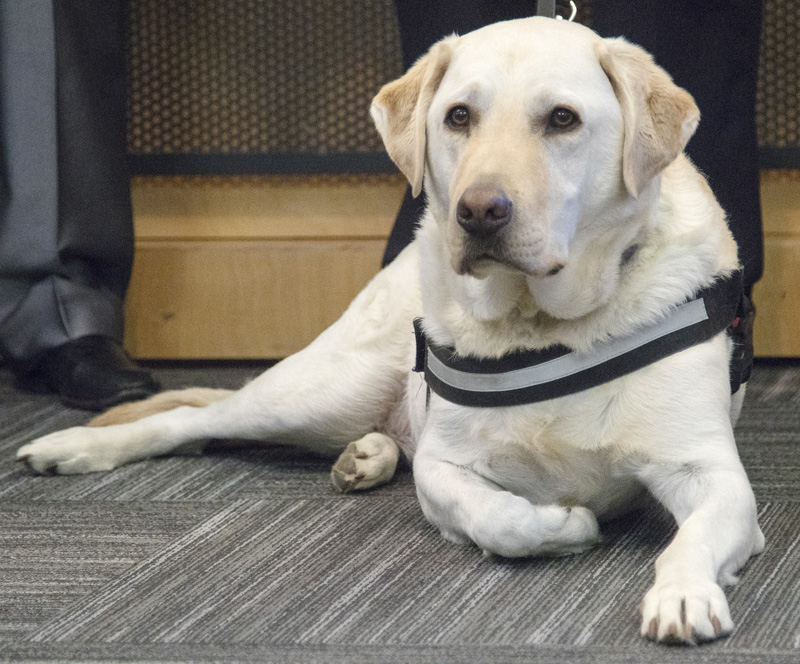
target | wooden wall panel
x=777, y=299
x=266, y=207
x=257, y=267
x=250, y=267
x=777, y=296
x=255, y=299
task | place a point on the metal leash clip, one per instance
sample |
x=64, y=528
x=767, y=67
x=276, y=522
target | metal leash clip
x=549, y=9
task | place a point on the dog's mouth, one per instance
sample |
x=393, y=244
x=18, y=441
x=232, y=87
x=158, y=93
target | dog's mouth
x=479, y=264
x=476, y=266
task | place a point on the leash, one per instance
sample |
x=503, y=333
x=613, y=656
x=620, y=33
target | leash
x=531, y=376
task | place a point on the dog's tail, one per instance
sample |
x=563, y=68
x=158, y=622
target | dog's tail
x=197, y=397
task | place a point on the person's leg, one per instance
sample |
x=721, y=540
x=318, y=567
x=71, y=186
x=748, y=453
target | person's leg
x=66, y=238
x=95, y=215
x=29, y=221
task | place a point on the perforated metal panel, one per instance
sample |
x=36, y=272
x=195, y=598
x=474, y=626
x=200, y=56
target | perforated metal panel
x=778, y=110
x=283, y=85
x=277, y=86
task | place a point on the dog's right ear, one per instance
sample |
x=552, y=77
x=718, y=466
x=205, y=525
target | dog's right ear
x=400, y=109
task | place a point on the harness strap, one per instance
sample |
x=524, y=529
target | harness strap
x=741, y=331
x=531, y=376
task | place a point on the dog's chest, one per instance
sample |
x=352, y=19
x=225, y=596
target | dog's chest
x=540, y=453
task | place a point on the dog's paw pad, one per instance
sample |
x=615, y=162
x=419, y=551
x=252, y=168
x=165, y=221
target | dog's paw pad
x=365, y=463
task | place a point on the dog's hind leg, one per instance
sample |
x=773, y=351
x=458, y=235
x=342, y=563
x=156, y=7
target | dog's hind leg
x=345, y=385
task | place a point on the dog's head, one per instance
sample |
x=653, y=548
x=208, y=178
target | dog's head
x=523, y=131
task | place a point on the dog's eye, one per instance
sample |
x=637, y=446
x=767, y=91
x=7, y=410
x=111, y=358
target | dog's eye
x=458, y=117
x=563, y=118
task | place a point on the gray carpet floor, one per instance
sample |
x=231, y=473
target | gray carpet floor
x=252, y=557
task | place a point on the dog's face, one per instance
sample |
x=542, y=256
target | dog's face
x=515, y=137
x=523, y=131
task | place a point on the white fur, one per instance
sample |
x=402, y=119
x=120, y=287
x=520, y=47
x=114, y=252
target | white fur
x=529, y=479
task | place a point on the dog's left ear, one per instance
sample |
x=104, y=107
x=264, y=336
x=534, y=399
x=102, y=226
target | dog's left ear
x=400, y=109
x=659, y=117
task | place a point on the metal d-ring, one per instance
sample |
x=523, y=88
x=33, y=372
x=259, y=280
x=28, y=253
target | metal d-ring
x=549, y=9
x=573, y=8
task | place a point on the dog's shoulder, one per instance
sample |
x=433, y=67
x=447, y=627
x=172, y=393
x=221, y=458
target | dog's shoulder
x=686, y=247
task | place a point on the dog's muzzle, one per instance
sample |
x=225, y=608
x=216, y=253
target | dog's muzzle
x=486, y=215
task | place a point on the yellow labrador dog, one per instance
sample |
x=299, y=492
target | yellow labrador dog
x=562, y=222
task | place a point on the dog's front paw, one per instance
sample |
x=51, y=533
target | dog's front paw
x=686, y=612
x=515, y=527
x=69, y=452
x=365, y=463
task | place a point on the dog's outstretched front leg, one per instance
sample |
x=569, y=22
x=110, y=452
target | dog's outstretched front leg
x=91, y=449
x=345, y=385
x=716, y=512
x=467, y=507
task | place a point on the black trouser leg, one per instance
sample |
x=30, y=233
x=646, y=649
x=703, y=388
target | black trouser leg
x=66, y=233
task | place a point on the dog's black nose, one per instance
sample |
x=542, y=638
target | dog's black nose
x=483, y=209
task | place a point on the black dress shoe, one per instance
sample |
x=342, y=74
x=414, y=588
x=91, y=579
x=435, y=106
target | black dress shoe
x=93, y=373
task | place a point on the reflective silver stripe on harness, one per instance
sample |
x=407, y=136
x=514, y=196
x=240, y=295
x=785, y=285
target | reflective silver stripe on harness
x=572, y=363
